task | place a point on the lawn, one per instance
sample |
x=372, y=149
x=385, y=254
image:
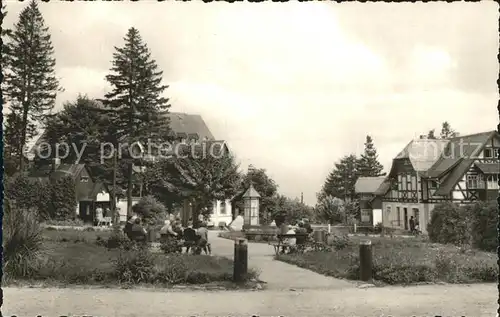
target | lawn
x=71, y=257
x=403, y=261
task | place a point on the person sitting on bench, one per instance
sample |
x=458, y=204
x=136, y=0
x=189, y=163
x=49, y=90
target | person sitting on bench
x=138, y=233
x=190, y=237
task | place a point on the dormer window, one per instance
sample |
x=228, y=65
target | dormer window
x=488, y=153
x=84, y=179
x=432, y=184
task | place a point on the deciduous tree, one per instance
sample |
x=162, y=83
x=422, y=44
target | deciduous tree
x=201, y=178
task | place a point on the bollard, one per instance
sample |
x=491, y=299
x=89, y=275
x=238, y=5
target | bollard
x=365, y=260
x=240, y=260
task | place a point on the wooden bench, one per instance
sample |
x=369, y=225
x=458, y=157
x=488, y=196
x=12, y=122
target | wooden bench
x=300, y=244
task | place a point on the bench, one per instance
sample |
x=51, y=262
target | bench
x=300, y=244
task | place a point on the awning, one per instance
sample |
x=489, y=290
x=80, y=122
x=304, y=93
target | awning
x=489, y=168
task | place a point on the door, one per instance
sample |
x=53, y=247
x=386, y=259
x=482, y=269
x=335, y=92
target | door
x=405, y=215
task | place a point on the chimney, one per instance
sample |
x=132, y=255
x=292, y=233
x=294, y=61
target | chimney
x=423, y=137
x=55, y=163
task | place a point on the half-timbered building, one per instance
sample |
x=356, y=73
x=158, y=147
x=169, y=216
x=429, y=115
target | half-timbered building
x=428, y=172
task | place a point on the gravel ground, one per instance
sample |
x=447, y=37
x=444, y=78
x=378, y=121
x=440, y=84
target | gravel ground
x=445, y=300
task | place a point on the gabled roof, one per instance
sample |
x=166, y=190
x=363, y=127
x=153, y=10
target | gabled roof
x=489, y=168
x=454, y=176
x=461, y=147
x=368, y=185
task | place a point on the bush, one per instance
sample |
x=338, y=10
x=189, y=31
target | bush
x=63, y=199
x=27, y=193
x=339, y=242
x=449, y=224
x=150, y=209
x=133, y=267
x=484, y=225
x=22, y=239
x=116, y=240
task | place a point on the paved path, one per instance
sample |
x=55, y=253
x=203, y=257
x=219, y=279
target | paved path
x=278, y=275
x=476, y=300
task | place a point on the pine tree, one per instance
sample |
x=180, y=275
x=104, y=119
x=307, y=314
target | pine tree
x=447, y=132
x=30, y=82
x=340, y=182
x=368, y=164
x=135, y=98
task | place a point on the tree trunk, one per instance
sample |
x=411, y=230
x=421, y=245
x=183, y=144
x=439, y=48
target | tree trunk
x=130, y=173
x=112, y=194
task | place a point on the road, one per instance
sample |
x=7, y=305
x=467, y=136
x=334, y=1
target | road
x=444, y=300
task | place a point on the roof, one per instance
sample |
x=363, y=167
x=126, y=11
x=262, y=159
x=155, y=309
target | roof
x=251, y=193
x=454, y=177
x=466, y=146
x=489, y=168
x=45, y=171
x=188, y=125
x=368, y=184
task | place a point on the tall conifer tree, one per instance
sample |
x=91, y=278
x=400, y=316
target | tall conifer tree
x=136, y=98
x=30, y=83
x=368, y=164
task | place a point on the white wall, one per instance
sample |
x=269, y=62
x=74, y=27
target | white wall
x=377, y=216
x=216, y=216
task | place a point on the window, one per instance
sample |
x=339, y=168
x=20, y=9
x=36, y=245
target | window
x=222, y=207
x=495, y=152
x=488, y=153
x=432, y=184
x=471, y=181
x=475, y=181
x=414, y=183
x=403, y=185
x=492, y=181
x=388, y=210
x=84, y=179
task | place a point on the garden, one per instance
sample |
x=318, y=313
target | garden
x=460, y=249
x=41, y=255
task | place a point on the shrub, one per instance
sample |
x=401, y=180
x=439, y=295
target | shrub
x=116, y=240
x=75, y=222
x=135, y=266
x=484, y=225
x=22, y=239
x=63, y=199
x=449, y=224
x=150, y=209
x=339, y=242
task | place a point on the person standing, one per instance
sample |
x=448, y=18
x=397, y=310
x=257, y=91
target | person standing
x=412, y=224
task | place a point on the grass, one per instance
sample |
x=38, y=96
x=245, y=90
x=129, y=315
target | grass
x=403, y=261
x=72, y=257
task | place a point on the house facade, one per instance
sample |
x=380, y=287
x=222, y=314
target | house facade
x=89, y=192
x=370, y=201
x=428, y=172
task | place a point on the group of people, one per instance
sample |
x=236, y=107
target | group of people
x=192, y=239
x=172, y=233
x=303, y=227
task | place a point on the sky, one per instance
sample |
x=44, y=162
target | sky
x=293, y=87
